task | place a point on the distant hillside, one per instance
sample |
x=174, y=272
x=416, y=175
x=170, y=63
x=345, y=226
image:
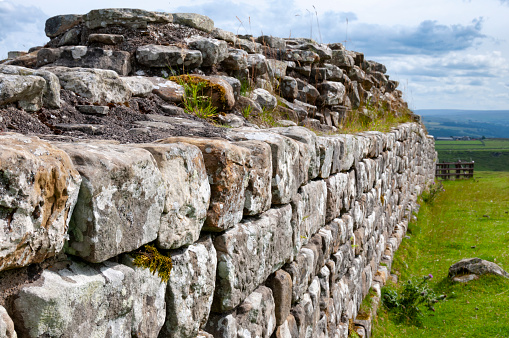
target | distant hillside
x=473, y=123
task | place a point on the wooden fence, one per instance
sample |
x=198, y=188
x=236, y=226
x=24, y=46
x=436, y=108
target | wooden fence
x=454, y=170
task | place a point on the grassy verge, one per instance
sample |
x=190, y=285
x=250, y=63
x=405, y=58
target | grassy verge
x=469, y=219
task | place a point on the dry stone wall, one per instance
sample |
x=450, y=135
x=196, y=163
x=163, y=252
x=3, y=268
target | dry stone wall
x=272, y=232
x=296, y=265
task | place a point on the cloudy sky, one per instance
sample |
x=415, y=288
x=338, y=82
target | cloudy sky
x=447, y=54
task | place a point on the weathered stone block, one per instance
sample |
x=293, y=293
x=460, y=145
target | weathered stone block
x=120, y=201
x=51, y=92
x=38, y=191
x=285, y=162
x=259, y=164
x=213, y=51
x=249, y=253
x=187, y=192
x=86, y=301
x=226, y=168
x=127, y=17
x=97, y=85
x=190, y=289
x=167, y=90
x=138, y=85
x=6, y=325
x=26, y=90
x=59, y=24
x=197, y=21
x=106, y=39
x=281, y=285
x=82, y=56
x=168, y=56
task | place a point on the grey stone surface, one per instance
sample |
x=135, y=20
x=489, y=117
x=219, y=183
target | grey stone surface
x=82, y=56
x=38, y=191
x=168, y=56
x=197, y=21
x=236, y=59
x=6, y=325
x=51, y=92
x=87, y=300
x=94, y=110
x=127, y=17
x=167, y=90
x=280, y=283
x=253, y=318
x=221, y=34
x=27, y=91
x=138, y=85
x=285, y=162
x=226, y=168
x=265, y=99
x=258, y=190
x=190, y=289
x=97, y=85
x=476, y=266
x=59, y=24
x=187, y=193
x=120, y=201
x=213, y=51
x=332, y=93
x=106, y=39
x=249, y=253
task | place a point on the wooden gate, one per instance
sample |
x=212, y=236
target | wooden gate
x=454, y=170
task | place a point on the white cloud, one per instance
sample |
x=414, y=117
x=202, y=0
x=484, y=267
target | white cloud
x=21, y=27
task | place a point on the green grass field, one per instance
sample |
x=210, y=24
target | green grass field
x=469, y=219
x=488, y=154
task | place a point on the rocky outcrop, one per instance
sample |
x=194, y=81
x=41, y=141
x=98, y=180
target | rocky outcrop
x=472, y=268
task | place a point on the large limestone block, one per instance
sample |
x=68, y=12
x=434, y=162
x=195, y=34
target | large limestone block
x=309, y=212
x=139, y=85
x=6, y=325
x=301, y=270
x=187, y=193
x=253, y=318
x=120, y=201
x=167, y=90
x=309, y=149
x=59, y=24
x=213, y=51
x=265, y=99
x=105, y=300
x=97, y=85
x=197, y=21
x=259, y=164
x=38, y=191
x=341, y=192
x=127, y=17
x=51, y=92
x=280, y=283
x=190, y=289
x=149, y=305
x=332, y=93
x=82, y=56
x=226, y=169
x=249, y=253
x=168, y=56
x=26, y=90
x=285, y=162
x=325, y=151
x=236, y=59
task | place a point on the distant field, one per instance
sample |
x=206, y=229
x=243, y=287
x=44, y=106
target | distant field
x=473, y=123
x=488, y=154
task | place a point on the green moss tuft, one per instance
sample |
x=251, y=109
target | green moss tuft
x=150, y=258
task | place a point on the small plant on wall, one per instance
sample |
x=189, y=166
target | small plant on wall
x=150, y=258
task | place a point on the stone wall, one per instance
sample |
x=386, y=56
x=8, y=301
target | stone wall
x=272, y=232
